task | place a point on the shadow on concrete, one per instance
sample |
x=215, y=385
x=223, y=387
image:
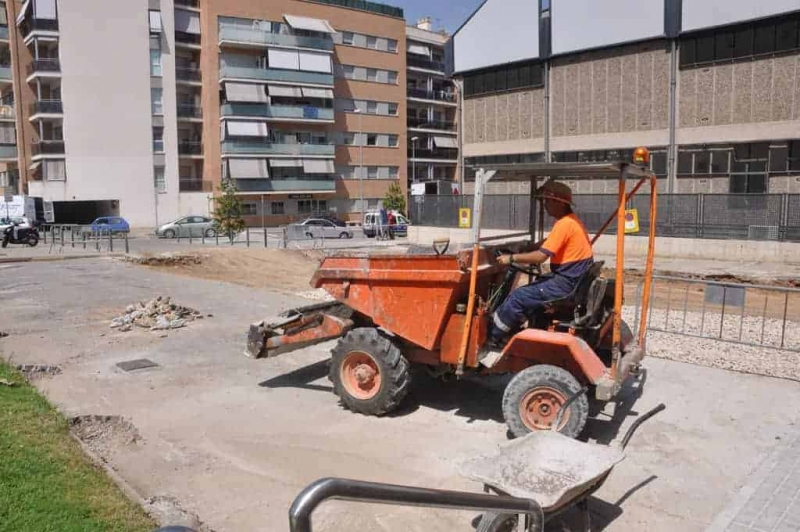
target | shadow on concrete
x=604, y=428
x=301, y=378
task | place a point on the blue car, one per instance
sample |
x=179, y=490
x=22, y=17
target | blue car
x=115, y=224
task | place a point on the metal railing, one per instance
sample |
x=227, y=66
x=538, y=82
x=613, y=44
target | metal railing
x=190, y=147
x=437, y=153
x=747, y=314
x=47, y=107
x=189, y=111
x=426, y=64
x=187, y=74
x=438, y=95
x=8, y=151
x=285, y=184
x=424, y=123
x=59, y=236
x=773, y=217
x=194, y=185
x=301, y=112
x=44, y=65
x=48, y=147
x=6, y=72
x=355, y=490
x=257, y=36
x=267, y=147
x=158, y=146
x=4, y=32
x=187, y=38
x=38, y=24
x=272, y=74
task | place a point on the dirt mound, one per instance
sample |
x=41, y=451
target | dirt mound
x=157, y=315
x=102, y=433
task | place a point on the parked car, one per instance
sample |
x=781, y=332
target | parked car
x=371, y=219
x=187, y=226
x=115, y=224
x=322, y=227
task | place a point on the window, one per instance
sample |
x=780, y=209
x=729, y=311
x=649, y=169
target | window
x=348, y=139
x=155, y=62
x=393, y=109
x=156, y=101
x=393, y=139
x=349, y=72
x=748, y=184
x=55, y=170
x=372, y=42
x=779, y=34
x=158, y=179
x=392, y=45
x=249, y=208
x=155, y=20
x=158, y=139
x=304, y=206
x=347, y=38
x=372, y=74
x=393, y=172
x=372, y=139
x=372, y=172
x=392, y=78
x=504, y=78
x=276, y=207
x=372, y=107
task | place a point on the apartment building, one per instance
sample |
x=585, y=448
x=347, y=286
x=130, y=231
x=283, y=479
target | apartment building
x=432, y=111
x=710, y=86
x=9, y=166
x=140, y=108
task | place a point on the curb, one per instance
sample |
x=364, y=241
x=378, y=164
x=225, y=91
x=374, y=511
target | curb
x=11, y=260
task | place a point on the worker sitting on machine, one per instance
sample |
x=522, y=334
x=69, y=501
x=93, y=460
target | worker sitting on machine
x=570, y=253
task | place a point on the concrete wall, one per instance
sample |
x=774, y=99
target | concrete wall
x=636, y=246
x=504, y=123
x=106, y=94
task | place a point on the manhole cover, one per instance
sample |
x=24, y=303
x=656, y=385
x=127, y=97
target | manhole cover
x=139, y=363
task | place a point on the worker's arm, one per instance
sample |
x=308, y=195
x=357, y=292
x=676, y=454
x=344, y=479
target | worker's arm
x=532, y=257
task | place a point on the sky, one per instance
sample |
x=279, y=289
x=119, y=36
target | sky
x=447, y=14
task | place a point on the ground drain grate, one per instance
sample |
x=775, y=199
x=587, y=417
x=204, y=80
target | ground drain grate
x=139, y=363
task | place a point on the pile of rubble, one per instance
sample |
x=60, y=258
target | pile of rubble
x=157, y=315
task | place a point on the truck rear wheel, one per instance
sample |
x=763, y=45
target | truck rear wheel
x=368, y=372
x=534, y=396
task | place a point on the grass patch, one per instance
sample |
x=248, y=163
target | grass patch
x=46, y=482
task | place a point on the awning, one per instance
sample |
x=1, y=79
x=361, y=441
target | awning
x=247, y=129
x=248, y=168
x=285, y=90
x=155, y=21
x=318, y=166
x=419, y=49
x=445, y=142
x=286, y=59
x=244, y=92
x=285, y=163
x=187, y=22
x=309, y=24
x=318, y=93
x=24, y=11
x=35, y=166
x=314, y=62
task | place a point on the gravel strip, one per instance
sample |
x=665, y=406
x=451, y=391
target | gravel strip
x=770, y=361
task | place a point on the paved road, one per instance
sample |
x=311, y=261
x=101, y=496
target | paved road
x=235, y=439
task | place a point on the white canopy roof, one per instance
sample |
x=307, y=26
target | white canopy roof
x=309, y=24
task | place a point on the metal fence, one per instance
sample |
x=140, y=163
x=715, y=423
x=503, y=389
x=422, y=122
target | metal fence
x=723, y=216
x=60, y=236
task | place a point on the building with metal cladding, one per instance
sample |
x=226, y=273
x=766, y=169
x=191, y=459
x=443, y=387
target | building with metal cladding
x=139, y=108
x=712, y=87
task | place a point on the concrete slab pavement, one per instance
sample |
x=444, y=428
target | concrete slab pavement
x=236, y=439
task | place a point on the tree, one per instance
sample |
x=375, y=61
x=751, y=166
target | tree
x=395, y=200
x=228, y=212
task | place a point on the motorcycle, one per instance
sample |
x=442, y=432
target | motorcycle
x=14, y=234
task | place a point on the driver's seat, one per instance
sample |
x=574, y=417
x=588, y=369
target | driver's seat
x=577, y=305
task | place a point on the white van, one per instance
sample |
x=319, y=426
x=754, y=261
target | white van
x=372, y=219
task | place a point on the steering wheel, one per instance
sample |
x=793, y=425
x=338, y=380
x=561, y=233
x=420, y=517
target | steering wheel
x=528, y=269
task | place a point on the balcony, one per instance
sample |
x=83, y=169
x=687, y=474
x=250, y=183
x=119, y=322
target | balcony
x=425, y=64
x=437, y=153
x=190, y=184
x=438, y=96
x=287, y=112
x=256, y=147
x=187, y=38
x=8, y=151
x=189, y=111
x=195, y=4
x=38, y=24
x=285, y=185
x=424, y=123
x=190, y=147
x=44, y=66
x=4, y=32
x=270, y=74
x=7, y=110
x=47, y=107
x=243, y=35
x=6, y=73
x=48, y=147
x=158, y=146
x=188, y=74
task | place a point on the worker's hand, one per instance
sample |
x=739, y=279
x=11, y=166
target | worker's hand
x=505, y=260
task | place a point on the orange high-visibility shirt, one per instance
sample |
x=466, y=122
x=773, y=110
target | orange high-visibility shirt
x=569, y=247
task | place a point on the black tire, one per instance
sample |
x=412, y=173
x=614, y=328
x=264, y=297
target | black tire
x=309, y=235
x=492, y=522
x=169, y=233
x=211, y=233
x=33, y=241
x=5, y=243
x=545, y=377
x=392, y=368
x=343, y=235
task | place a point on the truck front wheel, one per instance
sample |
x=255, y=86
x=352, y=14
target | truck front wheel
x=368, y=372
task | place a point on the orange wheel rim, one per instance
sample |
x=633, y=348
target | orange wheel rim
x=360, y=375
x=540, y=406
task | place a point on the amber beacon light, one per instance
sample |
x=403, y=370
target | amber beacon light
x=641, y=156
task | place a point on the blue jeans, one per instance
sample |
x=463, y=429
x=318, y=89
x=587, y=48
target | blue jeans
x=527, y=300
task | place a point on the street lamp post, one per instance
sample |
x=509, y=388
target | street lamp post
x=414, y=159
x=360, y=163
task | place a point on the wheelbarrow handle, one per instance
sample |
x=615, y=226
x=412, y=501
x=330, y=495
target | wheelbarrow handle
x=565, y=406
x=639, y=421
